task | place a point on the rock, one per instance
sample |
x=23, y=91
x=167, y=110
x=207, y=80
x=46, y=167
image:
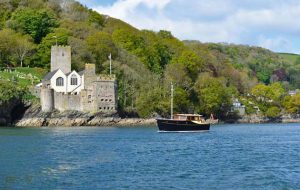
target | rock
x=31, y=122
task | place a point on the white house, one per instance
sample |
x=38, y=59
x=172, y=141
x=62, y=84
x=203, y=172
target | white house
x=71, y=82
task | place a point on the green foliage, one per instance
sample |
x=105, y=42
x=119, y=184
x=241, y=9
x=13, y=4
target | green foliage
x=9, y=92
x=101, y=46
x=7, y=44
x=273, y=112
x=288, y=57
x=95, y=18
x=214, y=97
x=42, y=57
x=267, y=97
x=292, y=104
x=192, y=63
x=36, y=23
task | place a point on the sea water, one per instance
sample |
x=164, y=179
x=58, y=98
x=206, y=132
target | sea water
x=245, y=156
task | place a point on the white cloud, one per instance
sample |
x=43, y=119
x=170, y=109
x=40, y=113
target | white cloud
x=276, y=44
x=270, y=24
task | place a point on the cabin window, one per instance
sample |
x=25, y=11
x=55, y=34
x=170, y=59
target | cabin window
x=74, y=80
x=59, y=81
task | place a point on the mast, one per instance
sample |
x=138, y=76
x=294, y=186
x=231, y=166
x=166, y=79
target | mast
x=172, y=94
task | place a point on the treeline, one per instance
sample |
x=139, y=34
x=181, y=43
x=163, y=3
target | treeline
x=206, y=76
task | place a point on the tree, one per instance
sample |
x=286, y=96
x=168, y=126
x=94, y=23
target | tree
x=23, y=47
x=7, y=45
x=192, y=62
x=292, y=104
x=214, y=97
x=268, y=96
x=42, y=57
x=36, y=23
x=101, y=46
x=273, y=112
x=177, y=74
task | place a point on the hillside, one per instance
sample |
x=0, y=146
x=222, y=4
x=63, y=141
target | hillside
x=289, y=57
x=207, y=75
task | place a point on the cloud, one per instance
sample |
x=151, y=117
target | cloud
x=270, y=23
x=277, y=43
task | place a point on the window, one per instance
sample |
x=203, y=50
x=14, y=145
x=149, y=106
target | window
x=59, y=81
x=73, y=79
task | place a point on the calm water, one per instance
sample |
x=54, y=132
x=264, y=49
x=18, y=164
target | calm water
x=227, y=157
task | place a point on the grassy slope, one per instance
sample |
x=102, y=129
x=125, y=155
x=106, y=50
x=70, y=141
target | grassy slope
x=24, y=76
x=289, y=57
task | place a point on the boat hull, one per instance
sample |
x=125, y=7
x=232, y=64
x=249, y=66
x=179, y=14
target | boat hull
x=175, y=125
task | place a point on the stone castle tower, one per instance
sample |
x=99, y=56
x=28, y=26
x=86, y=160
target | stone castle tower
x=63, y=89
x=61, y=58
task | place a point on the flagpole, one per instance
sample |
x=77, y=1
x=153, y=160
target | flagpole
x=110, y=64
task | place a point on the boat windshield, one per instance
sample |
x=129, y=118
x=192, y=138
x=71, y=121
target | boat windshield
x=180, y=117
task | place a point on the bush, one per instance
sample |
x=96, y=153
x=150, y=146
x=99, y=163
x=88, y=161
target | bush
x=273, y=112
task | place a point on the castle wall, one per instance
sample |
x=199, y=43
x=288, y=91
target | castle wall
x=106, y=96
x=47, y=99
x=61, y=58
x=74, y=102
x=63, y=102
x=88, y=101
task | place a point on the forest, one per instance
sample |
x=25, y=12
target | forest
x=207, y=76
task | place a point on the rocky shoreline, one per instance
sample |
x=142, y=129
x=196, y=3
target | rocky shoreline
x=34, y=117
x=69, y=122
x=261, y=119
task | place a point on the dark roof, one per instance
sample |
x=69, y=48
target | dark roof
x=81, y=73
x=67, y=74
x=49, y=75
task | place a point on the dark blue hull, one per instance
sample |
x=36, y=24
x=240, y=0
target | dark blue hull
x=177, y=125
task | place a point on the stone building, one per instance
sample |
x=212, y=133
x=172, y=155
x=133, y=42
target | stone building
x=63, y=89
x=238, y=107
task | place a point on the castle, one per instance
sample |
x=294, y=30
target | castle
x=63, y=89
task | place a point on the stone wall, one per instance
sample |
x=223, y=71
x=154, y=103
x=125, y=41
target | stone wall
x=47, y=99
x=105, y=96
x=63, y=102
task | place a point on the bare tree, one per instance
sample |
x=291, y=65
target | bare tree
x=23, y=49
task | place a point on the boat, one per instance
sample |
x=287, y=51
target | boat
x=182, y=122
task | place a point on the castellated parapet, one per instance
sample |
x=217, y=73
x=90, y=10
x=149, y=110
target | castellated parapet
x=61, y=58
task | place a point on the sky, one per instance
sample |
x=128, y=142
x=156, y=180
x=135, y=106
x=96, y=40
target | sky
x=272, y=24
